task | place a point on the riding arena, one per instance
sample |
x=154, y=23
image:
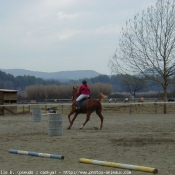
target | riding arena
x=134, y=135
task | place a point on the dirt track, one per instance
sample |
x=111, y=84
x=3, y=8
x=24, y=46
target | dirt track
x=147, y=140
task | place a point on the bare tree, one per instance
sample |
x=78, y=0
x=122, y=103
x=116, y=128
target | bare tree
x=40, y=92
x=147, y=45
x=133, y=84
x=98, y=88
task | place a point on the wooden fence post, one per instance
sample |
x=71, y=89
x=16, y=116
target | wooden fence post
x=130, y=109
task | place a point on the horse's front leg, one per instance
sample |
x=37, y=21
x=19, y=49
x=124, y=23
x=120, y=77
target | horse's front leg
x=101, y=118
x=70, y=115
x=87, y=119
x=71, y=122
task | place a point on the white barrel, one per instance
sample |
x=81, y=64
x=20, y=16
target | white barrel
x=55, y=125
x=36, y=114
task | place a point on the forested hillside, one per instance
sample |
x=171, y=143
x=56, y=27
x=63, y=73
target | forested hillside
x=8, y=81
x=61, y=76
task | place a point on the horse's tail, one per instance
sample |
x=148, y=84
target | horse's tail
x=101, y=96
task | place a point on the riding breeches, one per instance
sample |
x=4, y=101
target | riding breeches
x=82, y=96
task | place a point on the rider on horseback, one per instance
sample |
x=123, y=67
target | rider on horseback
x=83, y=92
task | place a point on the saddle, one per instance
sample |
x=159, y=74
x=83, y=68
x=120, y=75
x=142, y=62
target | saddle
x=83, y=101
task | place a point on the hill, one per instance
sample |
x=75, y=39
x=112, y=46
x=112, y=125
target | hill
x=61, y=76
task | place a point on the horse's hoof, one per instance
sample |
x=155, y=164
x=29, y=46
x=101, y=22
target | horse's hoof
x=96, y=128
x=81, y=127
x=69, y=128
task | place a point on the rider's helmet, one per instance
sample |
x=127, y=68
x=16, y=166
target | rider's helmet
x=84, y=82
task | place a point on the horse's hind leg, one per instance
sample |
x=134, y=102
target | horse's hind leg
x=98, y=112
x=87, y=119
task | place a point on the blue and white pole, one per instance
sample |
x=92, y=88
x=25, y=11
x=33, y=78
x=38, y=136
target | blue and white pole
x=55, y=156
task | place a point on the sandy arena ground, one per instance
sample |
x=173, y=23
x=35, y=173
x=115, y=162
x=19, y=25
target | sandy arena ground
x=147, y=140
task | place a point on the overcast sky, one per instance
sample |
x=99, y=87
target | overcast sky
x=63, y=35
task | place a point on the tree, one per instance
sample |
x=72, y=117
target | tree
x=133, y=84
x=100, y=79
x=147, y=45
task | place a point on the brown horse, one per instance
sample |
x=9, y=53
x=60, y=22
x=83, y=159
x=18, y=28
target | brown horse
x=90, y=106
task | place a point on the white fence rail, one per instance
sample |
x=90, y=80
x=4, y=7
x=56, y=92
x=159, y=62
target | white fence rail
x=137, y=107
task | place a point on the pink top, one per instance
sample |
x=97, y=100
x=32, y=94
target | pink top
x=84, y=89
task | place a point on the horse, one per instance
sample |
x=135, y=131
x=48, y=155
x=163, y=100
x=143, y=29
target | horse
x=90, y=106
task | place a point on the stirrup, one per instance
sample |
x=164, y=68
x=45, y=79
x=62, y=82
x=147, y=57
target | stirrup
x=77, y=108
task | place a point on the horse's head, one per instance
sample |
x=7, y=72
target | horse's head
x=74, y=93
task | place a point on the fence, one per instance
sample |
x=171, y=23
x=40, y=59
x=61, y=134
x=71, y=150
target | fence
x=125, y=108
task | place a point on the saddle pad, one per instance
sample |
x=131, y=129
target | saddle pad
x=83, y=101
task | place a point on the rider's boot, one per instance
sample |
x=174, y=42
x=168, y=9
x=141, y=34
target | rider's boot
x=77, y=105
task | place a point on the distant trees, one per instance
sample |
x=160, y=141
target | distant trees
x=101, y=78
x=102, y=83
x=133, y=84
x=8, y=81
x=116, y=82
x=41, y=92
x=98, y=88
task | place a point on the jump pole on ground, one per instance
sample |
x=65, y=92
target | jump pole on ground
x=119, y=165
x=55, y=156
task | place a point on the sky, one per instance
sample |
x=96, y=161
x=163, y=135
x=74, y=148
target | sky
x=63, y=35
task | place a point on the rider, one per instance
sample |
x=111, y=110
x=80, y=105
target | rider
x=83, y=92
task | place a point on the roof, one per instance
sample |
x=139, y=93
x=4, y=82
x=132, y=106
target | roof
x=8, y=90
